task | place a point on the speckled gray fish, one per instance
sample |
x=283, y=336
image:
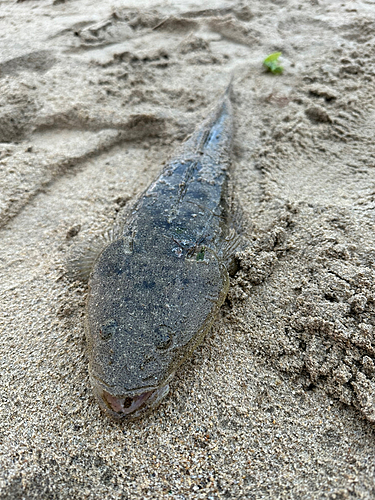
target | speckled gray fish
x=156, y=288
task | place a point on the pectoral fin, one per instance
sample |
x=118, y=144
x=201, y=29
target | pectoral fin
x=81, y=259
x=232, y=244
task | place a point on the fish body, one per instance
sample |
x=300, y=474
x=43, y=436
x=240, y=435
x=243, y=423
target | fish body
x=155, y=290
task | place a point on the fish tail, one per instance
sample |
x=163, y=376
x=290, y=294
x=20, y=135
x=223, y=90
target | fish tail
x=214, y=134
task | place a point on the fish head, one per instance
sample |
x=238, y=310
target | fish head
x=146, y=313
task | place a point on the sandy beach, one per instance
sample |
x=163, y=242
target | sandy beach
x=279, y=400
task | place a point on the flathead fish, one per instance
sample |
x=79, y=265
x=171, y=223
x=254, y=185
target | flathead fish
x=155, y=290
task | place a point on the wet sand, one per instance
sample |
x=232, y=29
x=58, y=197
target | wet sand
x=279, y=400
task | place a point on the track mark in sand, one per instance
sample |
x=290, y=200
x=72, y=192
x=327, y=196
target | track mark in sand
x=74, y=28
x=234, y=30
x=18, y=107
x=243, y=13
x=98, y=35
x=137, y=125
x=23, y=180
x=360, y=30
x=39, y=61
x=126, y=25
x=228, y=26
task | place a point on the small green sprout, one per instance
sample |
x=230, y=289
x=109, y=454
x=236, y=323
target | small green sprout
x=200, y=255
x=272, y=64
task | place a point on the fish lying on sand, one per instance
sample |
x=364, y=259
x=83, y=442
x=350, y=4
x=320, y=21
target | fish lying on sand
x=156, y=288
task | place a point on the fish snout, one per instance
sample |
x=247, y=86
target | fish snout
x=125, y=405
x=129, y=406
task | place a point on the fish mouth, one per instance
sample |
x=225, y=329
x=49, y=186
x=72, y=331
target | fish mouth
x=129, y=406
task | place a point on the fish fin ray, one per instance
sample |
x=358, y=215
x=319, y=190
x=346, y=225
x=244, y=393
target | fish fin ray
x=232, y=244
x=80, y=262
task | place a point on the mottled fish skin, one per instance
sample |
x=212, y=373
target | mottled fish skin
x=155, y=291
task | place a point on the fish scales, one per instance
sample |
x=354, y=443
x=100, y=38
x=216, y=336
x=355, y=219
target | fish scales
x=155, y=290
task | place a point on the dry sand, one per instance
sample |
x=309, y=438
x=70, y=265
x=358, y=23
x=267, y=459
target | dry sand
x=279, y=401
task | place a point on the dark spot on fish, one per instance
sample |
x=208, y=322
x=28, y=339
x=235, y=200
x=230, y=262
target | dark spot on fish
x=149, y=284
x=163, y=337
x=113, y=264
x=108, y=329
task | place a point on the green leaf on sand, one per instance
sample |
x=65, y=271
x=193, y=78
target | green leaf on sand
x=272, y=64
